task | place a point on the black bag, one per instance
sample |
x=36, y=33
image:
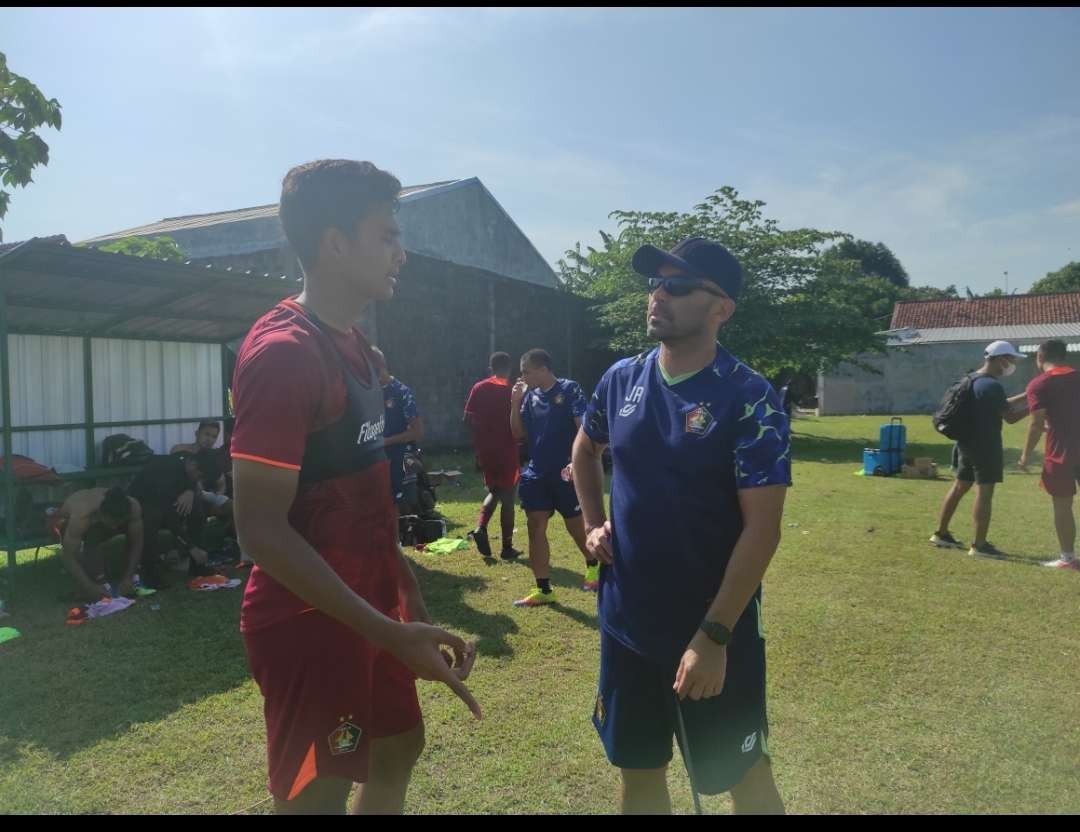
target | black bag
x=955, y=416
x=121, y=449
x=413, y=529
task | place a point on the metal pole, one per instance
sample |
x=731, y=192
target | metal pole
x=9, y=467
x=88, y=402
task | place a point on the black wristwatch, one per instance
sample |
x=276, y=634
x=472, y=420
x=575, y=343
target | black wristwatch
x=716, y=631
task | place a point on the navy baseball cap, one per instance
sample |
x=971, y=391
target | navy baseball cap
x=699, y=258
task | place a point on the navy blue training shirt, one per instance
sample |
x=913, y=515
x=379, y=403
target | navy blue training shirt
x=549, y=419
x=681, y=452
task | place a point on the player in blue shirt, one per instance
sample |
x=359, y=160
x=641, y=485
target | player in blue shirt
x=702, y=461
x=548, y=410
x=404, y=428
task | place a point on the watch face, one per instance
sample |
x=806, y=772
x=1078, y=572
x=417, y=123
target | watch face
x=717, y=632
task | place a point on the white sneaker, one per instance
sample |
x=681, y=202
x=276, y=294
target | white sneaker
x=1063, y=563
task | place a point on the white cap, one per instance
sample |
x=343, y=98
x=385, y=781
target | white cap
x=1002, y=348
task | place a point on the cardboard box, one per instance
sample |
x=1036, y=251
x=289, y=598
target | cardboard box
x=914, y=472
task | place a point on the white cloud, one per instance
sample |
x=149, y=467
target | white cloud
x=1067, y=209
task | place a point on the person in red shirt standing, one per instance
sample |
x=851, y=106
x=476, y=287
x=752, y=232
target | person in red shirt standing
x=486, y=412
x=333, y=620
x=1054, y=403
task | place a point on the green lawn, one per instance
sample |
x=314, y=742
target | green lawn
x=901, y=678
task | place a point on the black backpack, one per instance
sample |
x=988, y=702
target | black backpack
x=955, y=416
x=121, y=449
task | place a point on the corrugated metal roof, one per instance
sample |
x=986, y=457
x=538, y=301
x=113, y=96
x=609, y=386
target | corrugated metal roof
x=191, y=221
x=60, y=289
x=1011, y=310
x=59, y=239
x=907, y=336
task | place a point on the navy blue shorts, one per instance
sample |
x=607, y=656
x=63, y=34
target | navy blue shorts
x=635, y=710
x=550, y=493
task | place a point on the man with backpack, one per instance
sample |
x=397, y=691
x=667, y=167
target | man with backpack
x=971, y=414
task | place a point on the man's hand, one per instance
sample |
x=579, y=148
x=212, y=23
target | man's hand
x=95, y=592
x=702, y=669
x=419, y=648
x=598, y=542
x=518, y=392
x=184, y=503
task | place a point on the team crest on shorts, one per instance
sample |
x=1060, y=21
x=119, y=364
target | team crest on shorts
x=601, y=714
x=389, y=403
x=698, y=420
x=345, y=739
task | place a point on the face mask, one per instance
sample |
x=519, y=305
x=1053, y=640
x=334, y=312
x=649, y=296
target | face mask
x=1009, y=370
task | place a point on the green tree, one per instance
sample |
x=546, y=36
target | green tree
x=156, y=248
x=784, y=319
x=23, y=109
x=1065, y=279
x=874, y=259
x=930, y=293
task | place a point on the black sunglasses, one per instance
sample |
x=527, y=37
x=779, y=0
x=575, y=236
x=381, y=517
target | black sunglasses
x=679, y=287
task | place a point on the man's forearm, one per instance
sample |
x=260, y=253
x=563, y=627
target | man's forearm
x=409, y=590
x=517, y=424
x=588, y=471
x=71, y=561
x=135, y=545
x=1034, y=434
x=749, y=561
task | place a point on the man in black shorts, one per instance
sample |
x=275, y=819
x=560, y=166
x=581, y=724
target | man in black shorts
x=979, y=460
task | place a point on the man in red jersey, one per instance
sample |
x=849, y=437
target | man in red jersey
x=1053, y=399
x=333, y=621
x=486, y=412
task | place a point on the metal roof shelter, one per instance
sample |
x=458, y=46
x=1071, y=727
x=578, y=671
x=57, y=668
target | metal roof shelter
x=51, y=288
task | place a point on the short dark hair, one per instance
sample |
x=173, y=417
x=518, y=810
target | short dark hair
x=500, y=363
x=209, y=423
x=1053, y=350
x=116, y=505
x=331, y=193
x=537, y=358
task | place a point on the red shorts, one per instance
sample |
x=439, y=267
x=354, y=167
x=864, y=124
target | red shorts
x=500, y=472
x=1059, y=478
x=327, y=693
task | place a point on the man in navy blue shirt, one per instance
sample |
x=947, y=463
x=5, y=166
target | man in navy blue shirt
x=403, y=429
x=979, y=459
x=548, y=410
x=702, y=462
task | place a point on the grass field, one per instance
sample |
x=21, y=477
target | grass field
x=901, y=678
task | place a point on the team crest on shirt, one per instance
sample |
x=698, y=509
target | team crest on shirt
x=600, y=713
x=699, y=420
x=559, y=399
x=345, y=739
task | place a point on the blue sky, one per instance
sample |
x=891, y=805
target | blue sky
x=951, y=135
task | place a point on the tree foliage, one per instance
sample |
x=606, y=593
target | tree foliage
x=23, y=109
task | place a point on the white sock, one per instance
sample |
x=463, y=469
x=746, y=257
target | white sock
x=1068, y=555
